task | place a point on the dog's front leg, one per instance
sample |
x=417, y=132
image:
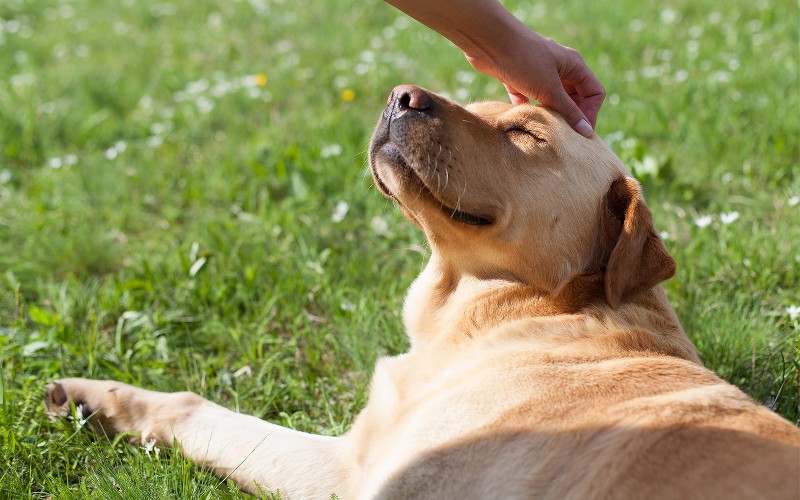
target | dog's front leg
x=251, y=452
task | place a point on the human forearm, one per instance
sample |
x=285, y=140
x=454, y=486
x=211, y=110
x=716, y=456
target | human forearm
x=477, y=27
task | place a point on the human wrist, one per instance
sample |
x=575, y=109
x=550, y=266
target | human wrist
x=499, y=41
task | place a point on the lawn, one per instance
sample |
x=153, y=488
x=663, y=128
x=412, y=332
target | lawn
x=184, y=203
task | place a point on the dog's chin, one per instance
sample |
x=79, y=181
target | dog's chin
x=389, y=157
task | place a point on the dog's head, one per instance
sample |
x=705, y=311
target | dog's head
x=512, y=192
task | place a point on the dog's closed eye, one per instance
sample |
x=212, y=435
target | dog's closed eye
x=520, y=130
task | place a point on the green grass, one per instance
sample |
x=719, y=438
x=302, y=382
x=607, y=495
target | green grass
x=166, y=221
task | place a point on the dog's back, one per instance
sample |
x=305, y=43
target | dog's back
x=638, y=426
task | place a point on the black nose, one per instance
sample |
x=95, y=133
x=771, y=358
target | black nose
x=406, y=97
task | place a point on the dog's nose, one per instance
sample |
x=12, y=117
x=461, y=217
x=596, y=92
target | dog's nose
x=406, y=97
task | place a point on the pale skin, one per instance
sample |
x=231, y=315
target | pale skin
x=529, y=65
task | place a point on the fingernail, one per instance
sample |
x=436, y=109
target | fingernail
x=584, y=128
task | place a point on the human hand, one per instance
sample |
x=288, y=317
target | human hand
x=529, y=65
x=538, y=68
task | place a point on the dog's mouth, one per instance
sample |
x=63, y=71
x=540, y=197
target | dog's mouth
x=392, y=155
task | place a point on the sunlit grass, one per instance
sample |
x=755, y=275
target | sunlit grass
x=184, y=203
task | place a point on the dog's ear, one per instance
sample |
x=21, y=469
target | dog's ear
x=636, y=257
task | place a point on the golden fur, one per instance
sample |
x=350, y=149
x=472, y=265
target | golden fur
x=545, y=360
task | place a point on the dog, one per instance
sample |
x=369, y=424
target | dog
x=545, y=358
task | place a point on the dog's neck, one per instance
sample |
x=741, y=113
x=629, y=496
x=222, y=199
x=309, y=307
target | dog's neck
x=445, y=308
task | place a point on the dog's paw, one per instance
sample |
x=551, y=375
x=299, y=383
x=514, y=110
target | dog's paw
x=105, y=404
x=111, y=407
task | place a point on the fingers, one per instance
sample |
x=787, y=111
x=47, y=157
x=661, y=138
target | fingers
x=588, y=95
x=568, y=105
x=560, y=101
x=590, y=105
x=584, y=88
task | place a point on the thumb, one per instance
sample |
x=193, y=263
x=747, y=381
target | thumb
x=516, y=96
x=564, y=105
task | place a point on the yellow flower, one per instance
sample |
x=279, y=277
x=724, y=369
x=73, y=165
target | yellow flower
x=348, y=95
x=261, y=79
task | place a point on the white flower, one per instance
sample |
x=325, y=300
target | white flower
x=729, y=217
x=703, y=221
x=465, y=77
x=55, y=162
x=653, y=71
x=225, y=87
x=160, y=128
x=340, y=211
x=5, y=176
x=116, y=149
x=794, y=200
x=362, y=69
x=388, y=32
x=80, y=420
x=793, y=311
x=146, y=103
x=379, y=225
x=401, y=23
x=150, y=446
x=204, y=105
x=197, y=87
x=367, y=56
x=23, y=80
x=341, y=82
x=12, y=25
x=214, y=20
x=648, y=165
x=668, y=16
x=330, y=150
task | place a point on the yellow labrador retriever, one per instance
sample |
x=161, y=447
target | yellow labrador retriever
x=545, y=360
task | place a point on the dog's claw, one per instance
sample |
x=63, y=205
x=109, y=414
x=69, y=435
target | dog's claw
x=56, y=395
